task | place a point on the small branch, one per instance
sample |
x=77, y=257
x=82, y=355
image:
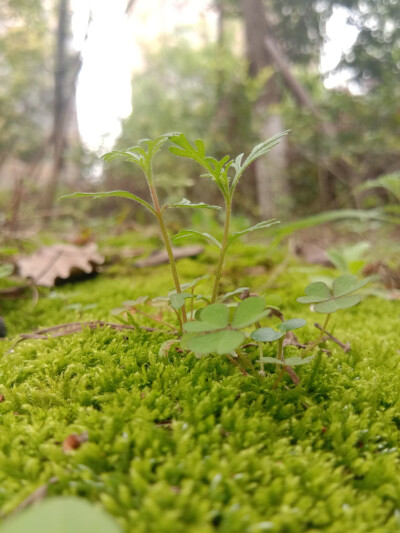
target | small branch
x=242, y=370
x=75, y=327
x=345, y=347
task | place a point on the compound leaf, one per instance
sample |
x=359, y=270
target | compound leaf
x=119, y=194
x=221, y=342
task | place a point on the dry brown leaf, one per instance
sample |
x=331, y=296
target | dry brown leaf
x=61, y=261
x=2, y=399
x=160, y=257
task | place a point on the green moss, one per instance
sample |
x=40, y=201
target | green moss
x=189, y=445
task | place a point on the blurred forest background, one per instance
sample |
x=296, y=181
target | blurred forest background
x=242, y=71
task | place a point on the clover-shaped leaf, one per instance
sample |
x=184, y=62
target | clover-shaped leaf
x=328, y=300
x=290, y=361
x=271, y=335
x=212, y=331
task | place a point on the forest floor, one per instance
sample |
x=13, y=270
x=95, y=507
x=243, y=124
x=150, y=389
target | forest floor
x=180, y=444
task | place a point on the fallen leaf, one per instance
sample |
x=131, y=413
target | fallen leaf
x=161, y=257
x=2, y=399
x=389, y=277
x=74, y=441
x=312, y=254
x=60, y=261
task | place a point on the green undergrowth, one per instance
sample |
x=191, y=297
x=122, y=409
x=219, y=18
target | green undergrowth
x=180, y=444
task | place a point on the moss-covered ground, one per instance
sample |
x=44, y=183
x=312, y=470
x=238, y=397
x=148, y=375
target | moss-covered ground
x=180, y=444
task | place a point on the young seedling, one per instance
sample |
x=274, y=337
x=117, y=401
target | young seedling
x=143, y=155
x=327, y=300
x=226, y=174
x=262, y=335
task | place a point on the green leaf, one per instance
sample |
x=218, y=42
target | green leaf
x=249, y=311
x=257, y=152
x=290, y=325
x=64, y=514
x=298, y=361
x=272, y=360
x=318, y=290
x=200, y=326
x=221, y=342
x=191, y=233
x=196, y=281
x=291, y=361
x=330, y=306
x=6, y=270
x=186, y=203
x=228, y=295
x=261, y=225
x=177, y=299
x=347, y=284
x=217, y=314
x=119, y=194
x=266, y=335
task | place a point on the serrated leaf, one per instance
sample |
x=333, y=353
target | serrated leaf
x=187, y=203
x=221, y=342
x=330, y=306
x=347, y=284
x=196, y=281
x=217, y=314
x=261, y=225
x=224, y=297
x=177, y=299
x=119, y=194
x=249, y=311
x=266, y=335
x=290, y=325
x=192, y=233
x=257, y=152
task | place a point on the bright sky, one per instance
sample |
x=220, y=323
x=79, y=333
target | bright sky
x=112, y=52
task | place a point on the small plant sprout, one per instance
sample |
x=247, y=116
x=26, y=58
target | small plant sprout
x=226, y=174
x=327, y=300
x=143, y=155
x=262, y=335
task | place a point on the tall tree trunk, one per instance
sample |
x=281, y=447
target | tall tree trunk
x=61, y=101
x=270, y=172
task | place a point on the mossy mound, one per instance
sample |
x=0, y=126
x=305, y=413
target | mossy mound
x=180, y=444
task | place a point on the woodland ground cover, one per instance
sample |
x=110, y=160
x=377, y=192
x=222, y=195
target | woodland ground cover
x=185, y=444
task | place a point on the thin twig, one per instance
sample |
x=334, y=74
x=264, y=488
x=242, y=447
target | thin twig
x=242, y=370
x=345, y=347
x=75, y=327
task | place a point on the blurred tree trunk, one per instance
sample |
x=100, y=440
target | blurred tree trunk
x=60, y=99
x=66, y=71
x=272, y=185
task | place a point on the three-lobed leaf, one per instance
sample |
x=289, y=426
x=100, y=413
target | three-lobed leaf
x=328, y=300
